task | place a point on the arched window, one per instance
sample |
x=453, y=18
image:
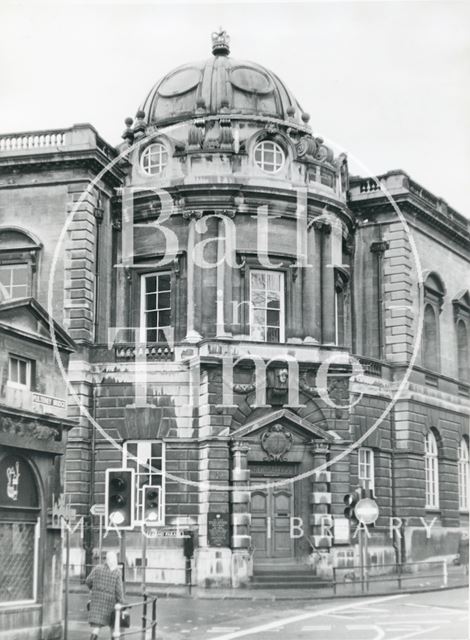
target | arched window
x=462, y=350
x=434, y=292
x=154, y=158
x=269, y=156
x=430, y=339
x=431, y=468
x=18, y=260
x=462, y=463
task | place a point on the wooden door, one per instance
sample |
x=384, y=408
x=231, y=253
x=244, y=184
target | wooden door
x=271, y=512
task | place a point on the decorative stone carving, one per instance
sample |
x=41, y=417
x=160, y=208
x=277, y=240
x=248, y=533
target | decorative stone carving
x=28, y=429
x=189, y=214
x=276, y=442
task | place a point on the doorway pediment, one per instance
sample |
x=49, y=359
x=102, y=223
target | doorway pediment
x=300, y=426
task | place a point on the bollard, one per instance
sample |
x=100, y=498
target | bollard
x=444, y=573
x=117, y=621
x=334, y=580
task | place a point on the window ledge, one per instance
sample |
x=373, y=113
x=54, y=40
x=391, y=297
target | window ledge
x=432, y=509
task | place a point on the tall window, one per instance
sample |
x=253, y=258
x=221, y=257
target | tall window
x=431, y=467
x=462, y=463
x=267, y=306
x=155, y=315
x=14, y=281
x=366, y=471
x=462, y=351
x=147, y=458
x=434, y=292
x=430, y=339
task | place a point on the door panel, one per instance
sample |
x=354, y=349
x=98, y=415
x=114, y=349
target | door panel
x=271, y=510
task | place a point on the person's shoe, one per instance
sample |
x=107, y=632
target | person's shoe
x=94, y=636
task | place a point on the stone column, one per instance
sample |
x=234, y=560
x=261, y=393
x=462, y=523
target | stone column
x=242, y=566
x=193, y=280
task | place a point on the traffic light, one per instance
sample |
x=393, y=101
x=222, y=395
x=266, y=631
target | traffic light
x=119, y=498
x=351, y=500
x=151, y=506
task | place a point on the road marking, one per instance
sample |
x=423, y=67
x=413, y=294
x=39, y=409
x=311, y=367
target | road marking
x=303, y=616
x=432, y=606
x=413, y=634
x=369, y=627
x=222, y=629
x=319, y=627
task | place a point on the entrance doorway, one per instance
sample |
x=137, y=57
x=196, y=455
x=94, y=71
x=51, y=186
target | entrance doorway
x=271, y=511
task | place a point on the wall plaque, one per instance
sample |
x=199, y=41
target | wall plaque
x=218, y=529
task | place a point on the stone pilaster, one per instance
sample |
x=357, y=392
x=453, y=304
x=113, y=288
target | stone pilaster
x=320, y=498
x=240, y=497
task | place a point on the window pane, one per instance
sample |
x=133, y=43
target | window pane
x=151, y=301
x=150, y=284
x=164, y=282
x=273, y=335
x=164, y=300
x=164, y=318
x=258, y=333
x=152, y=319
x=156, y=449
x=17, y=561
x=23, y=372
x=151, y=335
x=258, y=280
x=272, y=318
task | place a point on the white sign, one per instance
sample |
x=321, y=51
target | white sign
x=341, y=530
x=367, y=511
x=48, y=404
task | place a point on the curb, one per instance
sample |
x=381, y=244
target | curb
x=272, y=598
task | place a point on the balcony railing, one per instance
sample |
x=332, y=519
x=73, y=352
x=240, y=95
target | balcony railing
x=25, y=141
x=157, y=352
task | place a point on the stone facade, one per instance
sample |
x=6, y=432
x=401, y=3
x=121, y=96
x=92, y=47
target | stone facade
x=216, y=214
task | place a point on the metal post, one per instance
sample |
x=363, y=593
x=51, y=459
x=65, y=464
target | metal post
x=189, y=577
x=366, y=557
x=117, y=621
x=334, y=580
x=144, y=615
x=144, y=561
x=122, y=556
x=154, y=618
x=399, y=575
x=66, y=598
x=361, y=556
x=100, y=543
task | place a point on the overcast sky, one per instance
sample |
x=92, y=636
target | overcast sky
x=388, y=81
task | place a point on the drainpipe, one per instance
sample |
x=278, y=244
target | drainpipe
x=90, y=538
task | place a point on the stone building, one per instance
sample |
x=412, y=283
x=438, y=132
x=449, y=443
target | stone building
x=260, y=330
x=33, y=438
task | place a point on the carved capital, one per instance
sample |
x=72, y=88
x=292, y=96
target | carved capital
x=379, y=247
x=322, y=225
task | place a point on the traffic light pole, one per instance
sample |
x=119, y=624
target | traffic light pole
x=144, y=562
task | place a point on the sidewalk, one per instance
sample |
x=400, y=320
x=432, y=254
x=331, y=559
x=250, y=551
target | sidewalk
x=378, y=585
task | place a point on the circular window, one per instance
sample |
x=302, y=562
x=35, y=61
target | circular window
x=269, y=156
x=154, y=159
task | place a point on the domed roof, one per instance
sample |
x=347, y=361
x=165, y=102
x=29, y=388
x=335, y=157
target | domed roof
x=221, y=85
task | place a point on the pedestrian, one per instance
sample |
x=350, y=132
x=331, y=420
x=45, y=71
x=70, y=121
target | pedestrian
x=105, y=584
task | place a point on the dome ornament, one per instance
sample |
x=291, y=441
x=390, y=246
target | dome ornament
x=220, y=42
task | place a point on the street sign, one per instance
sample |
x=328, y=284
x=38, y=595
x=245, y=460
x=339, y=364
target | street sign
x=366, y=511
x=98, y=510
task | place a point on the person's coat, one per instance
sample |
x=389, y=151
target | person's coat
x=106, y=591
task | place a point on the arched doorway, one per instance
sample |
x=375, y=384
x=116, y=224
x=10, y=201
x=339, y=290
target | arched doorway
x=19, y=521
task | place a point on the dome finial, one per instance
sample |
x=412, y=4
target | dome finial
x=220, y=42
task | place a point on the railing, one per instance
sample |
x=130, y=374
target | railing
x=32, y=140
x=146, y=625
x=153, y=351
x=404, y=575
x=368, y=185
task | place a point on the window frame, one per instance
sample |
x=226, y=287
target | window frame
x=277, y=148
x=29, y=372
x=431, y=471
x=282, y=305
x=147, y=153
x=139, y=490
x=5, y=265
x=367, y=452
x=142, y=311
x=463, y=474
